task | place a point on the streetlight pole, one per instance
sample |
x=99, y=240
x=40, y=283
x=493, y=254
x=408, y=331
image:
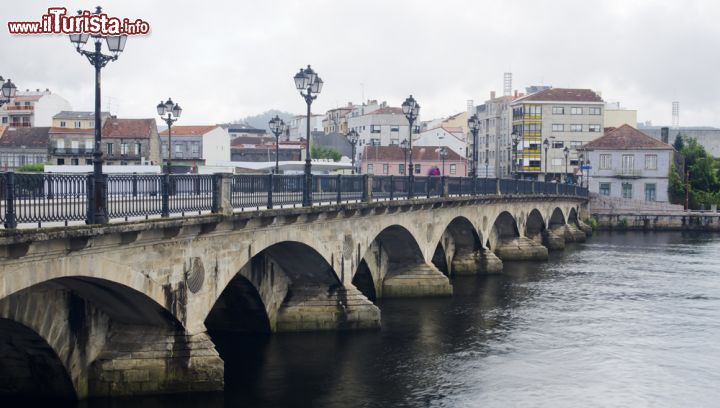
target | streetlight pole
x=487, y=163
x=116, y=45
x=411, y=110
x=513, y=164
x=173, y=111
x=352, y=137
x=443, y=154
x=581, y=156
x=277, y=127
x=474, y=125
x=546, y=145
x=309, y=84
x=404, y=146
x=566, y=152
x=7, y=91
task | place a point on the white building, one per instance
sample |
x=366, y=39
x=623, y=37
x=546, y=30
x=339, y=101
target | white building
x=494, y=141
x=451, y=137
x=297, y=129
x=381, y=126
x=192, y=145
x=33, y=109
x=629, y=164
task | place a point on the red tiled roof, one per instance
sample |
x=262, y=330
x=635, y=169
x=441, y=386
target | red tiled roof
x=388, y=110
x=128, y=128
x=626, y=137
x=564, y=95
x=189, y=130
x=31, y=137
x=396, y=153
x=28, y=98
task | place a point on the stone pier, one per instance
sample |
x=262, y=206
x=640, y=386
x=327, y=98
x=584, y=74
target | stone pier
x=415, y=281
x=317, y=309
x=473, y=263
x=554, y=239
x=585, y=228
x=521, y=249
x=573, y=234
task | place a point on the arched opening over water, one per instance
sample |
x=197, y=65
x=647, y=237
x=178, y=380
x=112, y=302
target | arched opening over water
x=53, y=333
x=459, y=240
x=363, y=281
x=535, y=225
x=557, y=219
x=504, y=229
x=572, y=217
x=439, y=259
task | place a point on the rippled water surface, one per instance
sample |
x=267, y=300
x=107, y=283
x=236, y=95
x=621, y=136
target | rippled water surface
x=622, y=320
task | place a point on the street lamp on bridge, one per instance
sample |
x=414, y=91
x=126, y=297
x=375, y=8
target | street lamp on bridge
x=309, y=84
x=411, y=110
x=352, y=137
x=116, y=45
x=7, y=91
x=404, y=146
x=566, y=152
x=173, y=111
x=515, y=141
x=277, y=127
x=443, y=154
x=474, y=125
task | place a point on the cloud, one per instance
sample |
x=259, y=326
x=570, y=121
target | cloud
x=225, y=60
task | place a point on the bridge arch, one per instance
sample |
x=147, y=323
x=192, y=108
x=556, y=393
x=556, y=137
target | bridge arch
x=459, y=241
x=76, y=324
x=535, y=226
x=504, y=228
x=572, y=216
x=557, y=219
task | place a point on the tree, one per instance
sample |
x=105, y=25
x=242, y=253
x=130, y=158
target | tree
x=320, y=152
x=676, y=186
x=678, y=144
x=31, y=168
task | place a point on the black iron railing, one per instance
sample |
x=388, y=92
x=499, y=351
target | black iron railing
x=57, y=199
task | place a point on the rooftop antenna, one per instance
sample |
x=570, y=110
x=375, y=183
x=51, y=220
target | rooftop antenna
x=507, y=84
x=676, y=114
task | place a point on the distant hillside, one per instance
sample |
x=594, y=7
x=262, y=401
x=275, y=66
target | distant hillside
x=261, y=121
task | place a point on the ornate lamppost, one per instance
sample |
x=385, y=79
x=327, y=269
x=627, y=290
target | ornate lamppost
x=443, y=154
x=309, y=84
x=173, y=111
x=566, y=152
x=277, y=127
x=546, y=145
x=352, y=137
x=7, y=91
x=404, y=146
x=581, y=157
x=116, y=45
x=474, y=125
x=513, y=167
x=411, y=110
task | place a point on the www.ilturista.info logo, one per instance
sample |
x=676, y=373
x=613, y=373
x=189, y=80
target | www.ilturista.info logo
x=56, y=21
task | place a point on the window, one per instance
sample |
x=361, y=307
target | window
x=196, y=148
x=453, y=168
x=74, y=162
x=628, y=163
x=594, y=128
x=109, y=149
x=178, y=148
x=575, y=144
x=535, y=163
x=576, y=111
x=401, y=168
x=558, y=144
x=62, y=123
x=88, y=161
x=60, y=144
x=394, y=142
x=370, y=168
x=651, y=163
x=605, y=162
x=89, y=144
x=374, y=128
x=4, y=120
x=123, y=148
x=605, y=189
x=77, y=124
x=74, y=144
x=138, y=148
x=386, y=168
x=627, y=190
x=574, y=162
x=558, y=110
x=394, y=128
x=576, y=128
x=60, y=161
x=650, y=192
x=417, y=169
x=558, y=127
x=594, y=111
x=92, y=124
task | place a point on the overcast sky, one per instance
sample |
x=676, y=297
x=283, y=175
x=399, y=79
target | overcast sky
x=226, y=60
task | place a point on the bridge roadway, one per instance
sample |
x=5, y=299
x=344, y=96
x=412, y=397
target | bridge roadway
x=127, y=309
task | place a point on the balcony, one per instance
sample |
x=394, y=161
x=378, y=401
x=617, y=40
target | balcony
x=20, y=124
x=118, y=156
x=627, y=173
x=19, y=108
x=62, y=151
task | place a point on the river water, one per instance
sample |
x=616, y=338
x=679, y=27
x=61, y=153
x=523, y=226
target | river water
x=624, y=320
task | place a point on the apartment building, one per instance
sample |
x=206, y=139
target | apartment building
x=336, y=120
x=21, y=146
x=494, y=142
x=297, y=128
x=32, y=108
x=450, y=137
x=380, y=125
x=196, y=145
x=130, y=142
x=72, y=137
x=548, y=121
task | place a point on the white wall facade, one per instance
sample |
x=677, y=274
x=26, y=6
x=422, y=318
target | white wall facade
x=442, y=137
x=614, y=174
x=216, y=146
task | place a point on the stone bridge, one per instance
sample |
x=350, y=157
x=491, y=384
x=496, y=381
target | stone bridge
x=127, y=309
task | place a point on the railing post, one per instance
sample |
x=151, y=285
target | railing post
x=392, y=188
x=222, y=193
x=497, y=186
x=270, y=191
x=90, y=193
x=339, y=188
x=165, y=211
x=533, y=187
x=444, y=186
x=367, y=188
x=216, y=180
x=557, y=188
x=196, y=179
x=134, y=185
x=10, y=220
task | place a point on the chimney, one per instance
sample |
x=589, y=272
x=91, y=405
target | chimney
x=492, y=94
x=665, y=134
